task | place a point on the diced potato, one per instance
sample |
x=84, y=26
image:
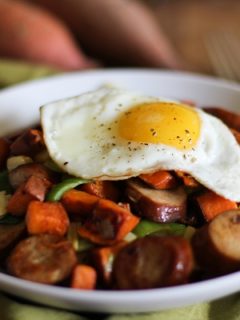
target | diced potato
x=16, y=161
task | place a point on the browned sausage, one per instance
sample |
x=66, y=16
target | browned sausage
x=21, y=174
x=153, y=262
x=45, y=258
x=157, y=205
x=34, y=188
x=216, y=245
x=29, y=143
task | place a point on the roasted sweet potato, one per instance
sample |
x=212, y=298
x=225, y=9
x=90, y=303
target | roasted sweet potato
x=160, y=180
x=102, y=189
x=46, y=217
x=84, y=277
x=108, y=223
x=78, y=203
x=211, y=204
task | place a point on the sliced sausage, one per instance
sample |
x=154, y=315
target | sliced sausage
x=216, y=245
x=153, y=262
x=157, y=205
x=44, y=258
x=21, y=174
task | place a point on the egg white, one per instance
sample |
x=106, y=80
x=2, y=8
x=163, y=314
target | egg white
x=81, y=135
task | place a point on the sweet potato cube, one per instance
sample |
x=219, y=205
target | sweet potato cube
x=161, y=179
x=102, y=189
x=212, y=204
x=84, y=277
x=47, y=217
x=108, y=223
x=78, y=203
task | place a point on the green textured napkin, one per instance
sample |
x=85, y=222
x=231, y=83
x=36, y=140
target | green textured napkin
x=12, y=72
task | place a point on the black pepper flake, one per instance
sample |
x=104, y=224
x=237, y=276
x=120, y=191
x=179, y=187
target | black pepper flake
x=109, y=128
x=154, y=133
x=174, y=118
x=113, y=144
x=187, y=131
x=65, y=163
x=101, y=125
x=146, y=144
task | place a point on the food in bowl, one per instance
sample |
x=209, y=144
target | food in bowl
x=118, y=190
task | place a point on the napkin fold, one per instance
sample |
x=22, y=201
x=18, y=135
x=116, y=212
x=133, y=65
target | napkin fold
x=11, y=308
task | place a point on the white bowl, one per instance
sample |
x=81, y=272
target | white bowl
x=19, y=108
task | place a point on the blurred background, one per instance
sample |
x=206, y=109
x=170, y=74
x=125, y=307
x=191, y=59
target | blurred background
x=199, y=27
x=202, y=36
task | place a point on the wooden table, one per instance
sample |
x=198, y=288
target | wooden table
x=189, y=22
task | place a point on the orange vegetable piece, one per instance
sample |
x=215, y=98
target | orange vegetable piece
x=35, y=188
x=160, y=180
x=78, y=203
x=84, y=277
x=19, y=202
x=236, y=134
x=187, y=179
x=108, y=223
x=47, y=217
x=103, y=258
x=211, y=204
x=102, y=189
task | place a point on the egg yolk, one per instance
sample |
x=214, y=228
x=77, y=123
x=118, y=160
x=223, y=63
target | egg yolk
x=172, y=124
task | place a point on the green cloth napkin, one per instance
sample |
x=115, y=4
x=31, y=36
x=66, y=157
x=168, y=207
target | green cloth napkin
x=12, y=72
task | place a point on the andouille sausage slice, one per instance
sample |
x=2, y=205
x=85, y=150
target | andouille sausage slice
x=43, y=258
x=216, y=245
x=157, y=205
x=153, y=262
x=21, y=174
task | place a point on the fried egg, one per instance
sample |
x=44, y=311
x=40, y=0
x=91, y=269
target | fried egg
x=114, y=134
